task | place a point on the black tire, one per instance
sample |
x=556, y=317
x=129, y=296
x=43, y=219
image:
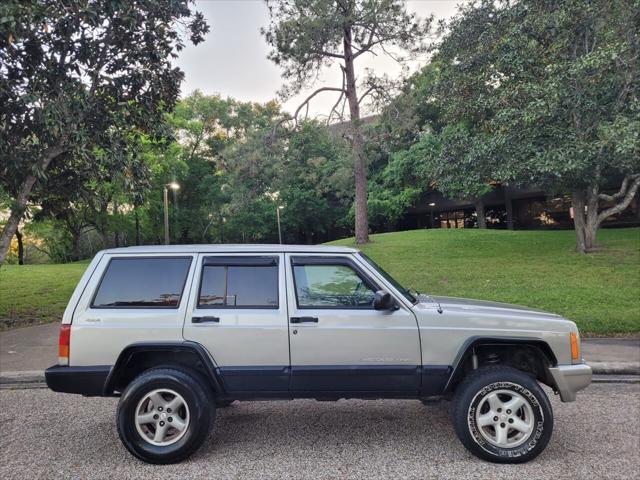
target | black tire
x=476, y=387
x=198, y=398
x=224, y=403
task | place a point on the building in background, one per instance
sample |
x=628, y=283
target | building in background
x=506, y=207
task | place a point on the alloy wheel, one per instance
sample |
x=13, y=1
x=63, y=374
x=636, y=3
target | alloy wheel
x=162, y=417
x=505, y=418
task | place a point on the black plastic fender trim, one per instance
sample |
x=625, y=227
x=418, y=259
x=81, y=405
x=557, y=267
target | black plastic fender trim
x=185, y=346
x=471, y=342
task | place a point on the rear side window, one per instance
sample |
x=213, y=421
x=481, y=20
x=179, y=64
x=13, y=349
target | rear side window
x=243, y=285
x=142, y=283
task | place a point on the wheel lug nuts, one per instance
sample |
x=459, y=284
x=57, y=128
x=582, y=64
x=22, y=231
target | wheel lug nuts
x=511, y=420
x=168, y=410
x=159, y=409
x=499, y=410
x=502, y=424
x=162, y=424
x=155, y=417
x=495, y=419
x=170, y=419
x=509, y=412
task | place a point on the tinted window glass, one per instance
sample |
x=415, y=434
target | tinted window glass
x=239, y=286
x=142, y=282
x=331, y=286
x=212, y=286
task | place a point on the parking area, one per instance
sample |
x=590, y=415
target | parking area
x=50, y=435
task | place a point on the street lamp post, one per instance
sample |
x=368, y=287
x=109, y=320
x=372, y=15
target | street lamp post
x=431, y=212
x=165, y=193
x=280, y=207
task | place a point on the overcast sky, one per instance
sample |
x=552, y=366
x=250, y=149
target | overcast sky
x=232, y=61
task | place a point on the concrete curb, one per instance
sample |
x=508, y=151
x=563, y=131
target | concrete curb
x=28, y=376
x=615, y=368
x=599, y=368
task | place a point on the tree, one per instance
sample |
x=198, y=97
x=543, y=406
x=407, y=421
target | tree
x=207, y=127
x=313, y=182
x=308, y=35
x=400, y=144
x=544, y=93
x=74, y=74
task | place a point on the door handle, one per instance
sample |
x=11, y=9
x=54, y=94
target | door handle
x=303, y=319
x=205, y=319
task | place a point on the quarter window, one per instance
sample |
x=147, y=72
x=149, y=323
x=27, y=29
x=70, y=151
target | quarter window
x=331, y=286
x=142, y=283
x=239, y=286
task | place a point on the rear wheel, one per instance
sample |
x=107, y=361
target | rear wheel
x=164, y=415
x=502, y=415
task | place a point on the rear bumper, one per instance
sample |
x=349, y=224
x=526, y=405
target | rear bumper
x=570, y=379
x=87, y=381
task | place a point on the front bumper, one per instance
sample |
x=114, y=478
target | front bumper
x=570, y=379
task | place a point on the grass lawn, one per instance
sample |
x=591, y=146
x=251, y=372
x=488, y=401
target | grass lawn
x=31, y=294
x=600, y=291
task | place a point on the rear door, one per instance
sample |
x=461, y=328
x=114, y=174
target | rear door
x=339, y=342
x=238, y=311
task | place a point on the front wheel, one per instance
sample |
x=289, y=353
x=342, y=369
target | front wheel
x=502, y=415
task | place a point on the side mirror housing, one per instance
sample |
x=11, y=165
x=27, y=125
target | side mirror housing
x=384, y=301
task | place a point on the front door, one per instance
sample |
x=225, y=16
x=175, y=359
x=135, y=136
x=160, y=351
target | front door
x=338, y=341
x=238, y=311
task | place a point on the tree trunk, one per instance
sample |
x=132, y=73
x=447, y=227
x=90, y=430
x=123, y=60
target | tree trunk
x=587, y=223
x=584, y=237
x=508, y=203
x=20, y=247
x=116, y=234
x=482, y=221
x=76, y=254
x=137, y=219
x=357, y=144
x=20, y=203
x=18, y=209
x=585, y=218
x=592, y=223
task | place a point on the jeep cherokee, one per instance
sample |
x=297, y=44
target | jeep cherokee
x=178, y=331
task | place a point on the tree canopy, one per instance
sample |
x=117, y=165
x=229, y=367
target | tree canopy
x=545, y=93
x=308, y=35
x=81, y=75
x=533, y=93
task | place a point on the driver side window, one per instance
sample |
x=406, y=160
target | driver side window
x=331, y=286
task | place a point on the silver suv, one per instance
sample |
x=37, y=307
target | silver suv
x=177, y=331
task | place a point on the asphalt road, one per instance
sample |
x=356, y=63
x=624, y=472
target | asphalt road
x=49, y=435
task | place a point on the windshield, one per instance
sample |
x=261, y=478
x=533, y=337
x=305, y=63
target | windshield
x=389, y=278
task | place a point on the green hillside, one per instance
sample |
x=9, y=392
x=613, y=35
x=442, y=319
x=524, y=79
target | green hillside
x=599, y=291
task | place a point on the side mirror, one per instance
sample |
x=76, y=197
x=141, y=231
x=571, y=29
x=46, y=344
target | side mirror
x=384, y=301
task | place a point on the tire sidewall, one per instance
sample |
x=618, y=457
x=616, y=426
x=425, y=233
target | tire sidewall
x=523, y=450
x=200, y=417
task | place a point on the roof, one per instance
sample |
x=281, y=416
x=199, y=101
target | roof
x=231, y=248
